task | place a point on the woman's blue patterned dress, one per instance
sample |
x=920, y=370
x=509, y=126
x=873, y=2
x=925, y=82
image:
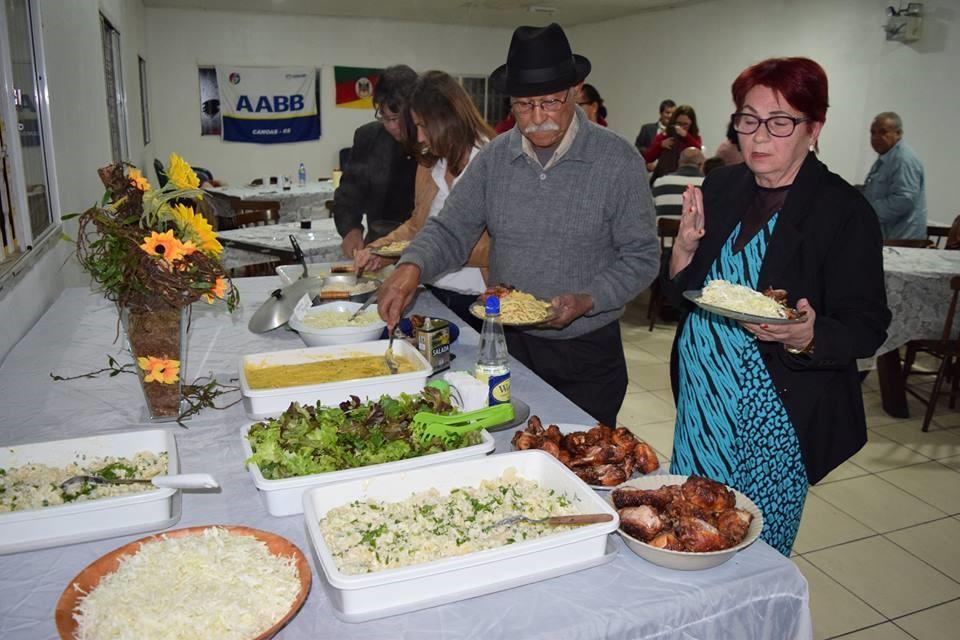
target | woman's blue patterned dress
x=731, y=425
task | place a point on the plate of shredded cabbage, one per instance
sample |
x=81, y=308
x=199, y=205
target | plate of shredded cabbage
x=743, y=304
x=218, y=581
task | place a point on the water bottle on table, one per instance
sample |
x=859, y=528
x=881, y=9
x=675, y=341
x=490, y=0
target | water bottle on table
x=493, y=361
x=302, y=175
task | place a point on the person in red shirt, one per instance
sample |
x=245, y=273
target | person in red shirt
x=681, y=133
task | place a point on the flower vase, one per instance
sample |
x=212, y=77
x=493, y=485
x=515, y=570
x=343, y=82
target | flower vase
x=157, y=336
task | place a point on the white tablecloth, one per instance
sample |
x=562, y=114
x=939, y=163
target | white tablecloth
x=296, y=203
x=758, y=594
x=918, y=292
x=320, y=243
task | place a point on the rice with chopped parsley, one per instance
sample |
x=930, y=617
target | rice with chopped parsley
x=34, y=485
x=369, y=536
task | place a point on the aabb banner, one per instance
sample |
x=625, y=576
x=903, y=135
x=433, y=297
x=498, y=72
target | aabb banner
x=268, y=105
x=355, y=86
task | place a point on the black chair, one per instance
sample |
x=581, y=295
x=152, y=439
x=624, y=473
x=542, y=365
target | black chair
x=947, y=351
x=161, y=173
x=345, y=158
x=205, y=175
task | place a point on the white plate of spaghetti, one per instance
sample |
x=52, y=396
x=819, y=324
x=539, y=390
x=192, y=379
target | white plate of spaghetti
x=516, y=307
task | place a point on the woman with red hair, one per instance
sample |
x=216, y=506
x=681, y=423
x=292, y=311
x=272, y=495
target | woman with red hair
x=771, y=408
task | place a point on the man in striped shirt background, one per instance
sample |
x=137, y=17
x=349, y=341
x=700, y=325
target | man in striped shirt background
x=668, y=190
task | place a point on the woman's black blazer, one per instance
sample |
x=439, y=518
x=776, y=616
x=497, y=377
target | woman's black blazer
x=827, y=248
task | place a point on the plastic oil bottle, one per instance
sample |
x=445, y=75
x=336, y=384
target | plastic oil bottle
x=493, y=361
x=301, y=175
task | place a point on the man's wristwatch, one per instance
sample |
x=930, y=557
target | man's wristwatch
x=805, y=350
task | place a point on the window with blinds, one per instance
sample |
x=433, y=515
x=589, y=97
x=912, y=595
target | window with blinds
x=116, y=102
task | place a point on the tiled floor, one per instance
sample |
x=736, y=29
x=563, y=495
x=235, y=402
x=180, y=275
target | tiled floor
x=879, y=542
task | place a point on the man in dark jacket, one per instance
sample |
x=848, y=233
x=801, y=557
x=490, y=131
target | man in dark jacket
x=650, y=130
x=378, y=180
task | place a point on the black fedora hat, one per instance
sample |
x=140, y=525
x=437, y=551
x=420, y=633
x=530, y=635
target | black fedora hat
x=539, y=62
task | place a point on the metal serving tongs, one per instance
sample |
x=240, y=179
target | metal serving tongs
x=179, y=481
x=298, y=254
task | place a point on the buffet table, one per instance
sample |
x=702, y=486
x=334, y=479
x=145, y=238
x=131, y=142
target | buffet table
x=296, y=203
x=758, y=594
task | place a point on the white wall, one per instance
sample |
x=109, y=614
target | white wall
x=692, y=54
x=81, y=140
x=178, y=41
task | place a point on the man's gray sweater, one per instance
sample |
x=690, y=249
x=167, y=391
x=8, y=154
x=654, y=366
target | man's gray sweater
x=585, y=225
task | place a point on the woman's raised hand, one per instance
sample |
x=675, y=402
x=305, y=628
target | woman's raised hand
x=690, y=231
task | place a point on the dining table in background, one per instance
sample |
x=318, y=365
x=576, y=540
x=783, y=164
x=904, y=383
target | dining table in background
x=757, y=594
x=918, y=294
x=296, y=203
x=319, y=243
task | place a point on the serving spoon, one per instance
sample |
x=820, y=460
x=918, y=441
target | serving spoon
x=557, y=521
x=178, y=481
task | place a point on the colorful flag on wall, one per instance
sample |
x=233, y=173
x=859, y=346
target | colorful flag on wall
x=355, y=86
x=269, y=105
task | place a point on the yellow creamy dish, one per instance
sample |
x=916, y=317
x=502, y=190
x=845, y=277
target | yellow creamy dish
x=335, y=370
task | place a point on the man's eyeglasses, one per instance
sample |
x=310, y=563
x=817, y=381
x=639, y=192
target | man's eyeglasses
x=385, y=118
x=779, y=126
x=553, y=105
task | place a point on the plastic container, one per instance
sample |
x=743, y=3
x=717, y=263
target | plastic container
x=301, y=175
x=260, y=403
x=94, y=519
x=285, y=497
x=314, y=337
x=356, y=598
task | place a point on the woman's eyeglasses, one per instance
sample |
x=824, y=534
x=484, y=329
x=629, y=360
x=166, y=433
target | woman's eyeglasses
x=778, y=126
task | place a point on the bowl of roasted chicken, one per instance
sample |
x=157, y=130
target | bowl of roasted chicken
x=685, y=522
x=599, y=455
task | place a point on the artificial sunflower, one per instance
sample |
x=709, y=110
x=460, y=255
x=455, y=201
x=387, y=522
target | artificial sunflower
x=219, y=290
x=138, y=180
x=163, y=245
x=162, y=370
x=180, y=173
x=194, y=226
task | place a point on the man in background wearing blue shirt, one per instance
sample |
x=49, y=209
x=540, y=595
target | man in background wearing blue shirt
x=894, y=185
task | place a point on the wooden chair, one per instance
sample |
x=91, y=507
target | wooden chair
x=947, y=351
x=936, y=234
x=250, y=213
x=667, y=229
x=913, y=243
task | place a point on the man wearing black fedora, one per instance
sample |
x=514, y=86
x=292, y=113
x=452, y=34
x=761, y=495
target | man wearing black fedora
x=570, y=217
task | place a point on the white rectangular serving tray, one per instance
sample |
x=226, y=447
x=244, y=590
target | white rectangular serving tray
x=285, y=497
x=357, y=598
x=94, y=519
x=260, y=403
x=290, y=273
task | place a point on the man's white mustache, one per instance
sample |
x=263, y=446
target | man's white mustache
x=544, y=127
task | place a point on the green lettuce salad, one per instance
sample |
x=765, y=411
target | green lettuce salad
x=316, y=439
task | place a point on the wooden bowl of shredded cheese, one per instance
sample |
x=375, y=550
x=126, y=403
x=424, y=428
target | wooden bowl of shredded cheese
x=243, y=583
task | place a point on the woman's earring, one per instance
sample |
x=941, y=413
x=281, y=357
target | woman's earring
x=812, y=147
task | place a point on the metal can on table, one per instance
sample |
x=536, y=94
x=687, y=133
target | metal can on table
x=433, y=341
